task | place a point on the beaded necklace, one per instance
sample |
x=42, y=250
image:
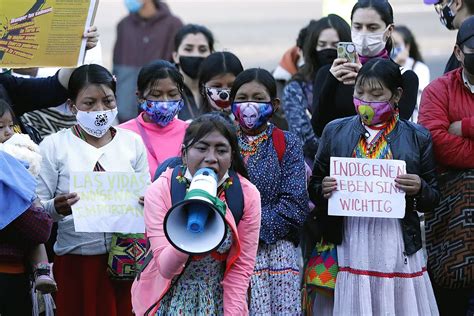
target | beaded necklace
x=378, y=148
x=249, y=147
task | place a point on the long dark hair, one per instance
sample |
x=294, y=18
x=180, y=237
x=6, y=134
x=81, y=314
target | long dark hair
x=208, y=123
x=6, y=108
x=4, y=95
x=86, y=75
x=193, y=29
x=255, y=74
x=311, y=62
x=409, y=39
x=216, y=64
x=380, y=70
x=383, y=8
x=151, y=73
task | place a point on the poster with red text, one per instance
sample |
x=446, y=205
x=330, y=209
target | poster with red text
x=366, y=188
x=44, y=33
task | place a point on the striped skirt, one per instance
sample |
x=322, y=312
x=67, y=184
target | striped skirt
x=375, y=276
x=275, y=283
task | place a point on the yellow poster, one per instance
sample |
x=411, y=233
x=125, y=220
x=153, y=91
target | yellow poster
x=43, y=33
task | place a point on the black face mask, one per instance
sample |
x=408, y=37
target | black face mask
x=469, y=63
x=446, y=16
x=326, y=56
x=190, y=65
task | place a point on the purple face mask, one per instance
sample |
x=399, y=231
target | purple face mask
x=372, y=113
x=252, y=115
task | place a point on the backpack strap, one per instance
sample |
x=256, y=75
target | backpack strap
x=279, y=142
x=178, y=190
x=168, y=163
x=235, y=197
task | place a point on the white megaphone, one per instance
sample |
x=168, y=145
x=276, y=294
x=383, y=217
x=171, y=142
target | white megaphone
x=196, y=225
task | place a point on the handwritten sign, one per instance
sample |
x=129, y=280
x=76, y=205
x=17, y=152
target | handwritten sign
x=41, y=33
x=108, y=201
x=366, y=188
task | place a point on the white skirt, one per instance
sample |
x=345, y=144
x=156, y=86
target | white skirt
x=375, y=276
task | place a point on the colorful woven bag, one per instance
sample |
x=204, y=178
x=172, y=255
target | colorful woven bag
x=126, y=256
x=322, y=267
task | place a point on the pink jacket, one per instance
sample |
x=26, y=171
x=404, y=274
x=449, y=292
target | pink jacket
x=168, y=262
x=164, y=142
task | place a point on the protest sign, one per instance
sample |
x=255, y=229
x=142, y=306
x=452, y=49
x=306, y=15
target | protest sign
x=42, y=33
x=366, y=188
x=108, y=201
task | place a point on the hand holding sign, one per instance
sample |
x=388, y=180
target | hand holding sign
x=92, y=37
x=329, y=185
x=368, y=187
x=410, y=183
x=63, y=203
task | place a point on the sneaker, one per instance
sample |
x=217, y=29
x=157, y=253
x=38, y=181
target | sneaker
x=44, y=281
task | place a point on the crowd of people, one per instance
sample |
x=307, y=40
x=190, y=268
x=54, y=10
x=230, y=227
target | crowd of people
x=173, y=105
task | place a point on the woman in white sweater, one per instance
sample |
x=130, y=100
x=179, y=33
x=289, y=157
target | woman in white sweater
x=84, y=288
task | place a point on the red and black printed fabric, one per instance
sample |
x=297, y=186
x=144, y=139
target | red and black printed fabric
x=449, y=232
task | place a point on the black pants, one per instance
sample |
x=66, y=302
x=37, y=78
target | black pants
x=453, y=302
x=15, y=297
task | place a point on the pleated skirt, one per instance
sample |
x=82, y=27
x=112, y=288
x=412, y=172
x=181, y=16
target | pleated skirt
x=376, y=277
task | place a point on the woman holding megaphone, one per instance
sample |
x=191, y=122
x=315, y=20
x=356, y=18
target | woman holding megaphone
x=177, y=281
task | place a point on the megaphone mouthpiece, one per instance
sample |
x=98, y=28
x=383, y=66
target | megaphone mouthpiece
x=197, y=217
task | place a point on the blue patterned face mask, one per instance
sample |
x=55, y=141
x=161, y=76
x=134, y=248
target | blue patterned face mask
x=162, y=112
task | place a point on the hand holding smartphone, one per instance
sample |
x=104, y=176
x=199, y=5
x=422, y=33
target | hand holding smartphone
x=347, y=50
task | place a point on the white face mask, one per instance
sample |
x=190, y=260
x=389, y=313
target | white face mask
x=96, y=123
x=368, y=44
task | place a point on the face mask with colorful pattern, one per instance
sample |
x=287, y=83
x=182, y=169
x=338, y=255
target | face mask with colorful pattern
x=162, y=112
x=372, y=113
x=218, y=97
x=252, y=115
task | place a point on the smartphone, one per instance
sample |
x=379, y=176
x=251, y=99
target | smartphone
x=346, y=50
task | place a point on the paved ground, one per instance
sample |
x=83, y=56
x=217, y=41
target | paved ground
x=259, y=31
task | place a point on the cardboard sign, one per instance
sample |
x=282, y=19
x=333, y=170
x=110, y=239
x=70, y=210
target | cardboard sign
x=108, y=201
x=366, y=188
x=42, y=33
